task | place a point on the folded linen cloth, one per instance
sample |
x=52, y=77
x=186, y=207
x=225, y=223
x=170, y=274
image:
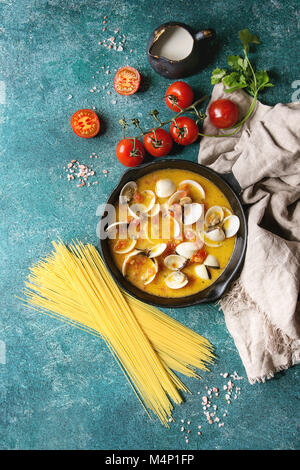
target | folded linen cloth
x=262, y=310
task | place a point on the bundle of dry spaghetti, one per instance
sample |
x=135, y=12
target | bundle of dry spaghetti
x=73, y=285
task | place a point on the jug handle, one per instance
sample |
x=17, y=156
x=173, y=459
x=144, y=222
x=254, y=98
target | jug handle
x=205, y=34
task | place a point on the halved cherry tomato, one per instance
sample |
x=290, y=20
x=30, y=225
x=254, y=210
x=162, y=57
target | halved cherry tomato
x=181, y=94
x=158, y=143
x=127, y=81
x=85, y=123
x=128, y=153
x=223, y=113
x=199, y=256
x=184, y=130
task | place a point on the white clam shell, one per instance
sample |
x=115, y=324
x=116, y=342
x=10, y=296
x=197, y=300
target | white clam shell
x=127, y=192
x=231, y=225
x=139, y=209
x=151, y=278
x=156, y=250
x=128, y=248
x=174, y=262
x=192, y=213
x=175, y=198
x=214, y=216
x=195, y=184
x=211, y=261
x=177, y=228
x=176, y=280
x=164, y=208
x=164, y=188
x=127, y=258
x=115, y=225
x=202, y=271
x=206, y=242
x=226, y=211
x=169, y=219
x=186, y=249
x=155, y=210
x=215, y=235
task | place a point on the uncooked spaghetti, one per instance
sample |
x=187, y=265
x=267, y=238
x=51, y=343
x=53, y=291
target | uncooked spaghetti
x=73, y=285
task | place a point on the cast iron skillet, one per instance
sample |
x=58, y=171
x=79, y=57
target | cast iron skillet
x=217, y=289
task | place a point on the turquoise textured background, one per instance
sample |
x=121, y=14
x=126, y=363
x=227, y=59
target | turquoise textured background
x=59, y=387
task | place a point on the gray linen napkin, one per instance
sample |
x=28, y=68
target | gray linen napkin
x=261, y=309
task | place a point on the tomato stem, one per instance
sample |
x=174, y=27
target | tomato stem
x=154, y=113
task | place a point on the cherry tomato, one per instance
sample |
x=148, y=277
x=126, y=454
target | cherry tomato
x=128, y=155
x=185, y=131
x=159, y=143
x=85, y=123
x=127, y=81
x=199, y=256
x=179, y=93
x=223, y=113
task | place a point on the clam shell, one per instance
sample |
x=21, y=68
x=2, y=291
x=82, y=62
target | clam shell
x=186, y=249
x=127, y=258
x=129, y=247
x=176, y=197
x=215, y=235
x=151, y=278
x=114, y=225
x=176, y=280
x=127, y=192
x=231, y=225
x=214, y=216
x=164, y=188
x=164, y=208
x=226, y=211
x=212, y=262
x=195, y=184
x=202, y=272
x=177, y=227
x=139, y=209
x=174, y=262
x=192, y=213
x=207, y=242
x=155, y=210
x=156, y=250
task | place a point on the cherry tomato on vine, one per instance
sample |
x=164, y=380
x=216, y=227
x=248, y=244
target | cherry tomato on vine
x=179, y=93
x=223, y=113
x=85, y=123
x=130, y=153
x=184, y=130
x=127, y=81
x=158, y=143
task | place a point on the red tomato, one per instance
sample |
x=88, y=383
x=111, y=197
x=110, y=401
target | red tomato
x=199, y=256
x=223, y=113
x=127, y=81
x=159, y=143
x=179, y=93
x=185, y=131
x=128, y=155
x=85, y=123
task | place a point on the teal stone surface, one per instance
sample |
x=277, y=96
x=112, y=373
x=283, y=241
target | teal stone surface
x=60, y=387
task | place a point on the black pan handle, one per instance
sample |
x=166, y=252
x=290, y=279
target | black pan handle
x=232, y=181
